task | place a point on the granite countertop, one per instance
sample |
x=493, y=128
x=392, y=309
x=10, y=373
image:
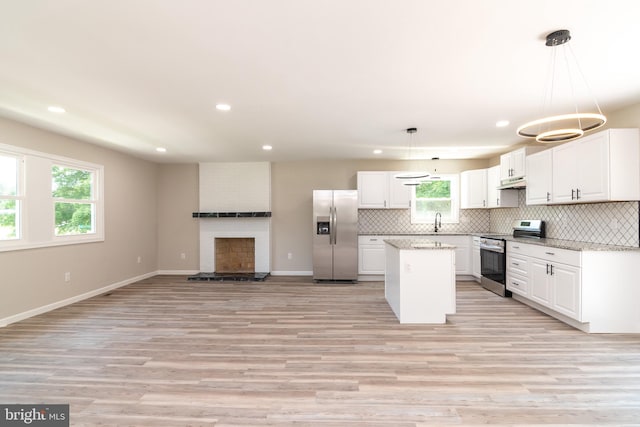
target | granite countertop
x=552, y=243
x=418, y=234
x=572, y=245
x=417, y=244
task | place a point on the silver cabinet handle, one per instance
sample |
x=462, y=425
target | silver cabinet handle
x=547, y=268
x=572, y=191
x=548, y=196
x=515, y=263
x=550, y=253
x=577, y=194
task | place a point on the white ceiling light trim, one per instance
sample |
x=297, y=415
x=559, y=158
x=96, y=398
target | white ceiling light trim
x=563, y=127
x=56, y=109
x=223, y=107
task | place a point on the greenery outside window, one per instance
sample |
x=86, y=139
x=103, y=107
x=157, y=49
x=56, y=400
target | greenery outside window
x=9, y=197
x=73, y=199
x=48, y=200
x=437, y=195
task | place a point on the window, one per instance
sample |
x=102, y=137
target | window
x=433, y=196
x=74, y=204
x=48, y=200
x=9, y=197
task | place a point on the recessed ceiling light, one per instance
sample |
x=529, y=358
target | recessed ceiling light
x=161, y=150
x=377, y=151
x=267, y=147
x=223, y=107
x=56, y=109
x=502, y=123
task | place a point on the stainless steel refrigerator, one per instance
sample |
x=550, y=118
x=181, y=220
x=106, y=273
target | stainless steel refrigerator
x=335, y=235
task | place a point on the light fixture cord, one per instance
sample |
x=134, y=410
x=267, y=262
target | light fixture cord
x=595, y=101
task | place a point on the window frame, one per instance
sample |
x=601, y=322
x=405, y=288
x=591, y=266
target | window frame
x=454, y=217
x=19, y=196
x=92, y=200
x=37, y=211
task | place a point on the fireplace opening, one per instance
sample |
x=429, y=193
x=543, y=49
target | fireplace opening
x=234, y=255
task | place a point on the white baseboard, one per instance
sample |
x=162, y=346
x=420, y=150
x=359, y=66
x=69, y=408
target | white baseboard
x=292, y=273
x=177, y=272
x=45, y=308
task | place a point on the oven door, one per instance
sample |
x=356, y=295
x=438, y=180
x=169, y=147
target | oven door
x=492, y=265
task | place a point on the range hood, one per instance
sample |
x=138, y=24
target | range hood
x=507, y=184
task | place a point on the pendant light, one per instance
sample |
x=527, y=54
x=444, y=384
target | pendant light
x=563, y=127
x=411, y=178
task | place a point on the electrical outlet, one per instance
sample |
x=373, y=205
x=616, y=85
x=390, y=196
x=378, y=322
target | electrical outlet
x=289, y=255
x=183, y=256
x=139, y=259
x=67, y=276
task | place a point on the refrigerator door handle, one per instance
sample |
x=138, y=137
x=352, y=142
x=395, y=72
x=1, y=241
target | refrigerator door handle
x=335, y=226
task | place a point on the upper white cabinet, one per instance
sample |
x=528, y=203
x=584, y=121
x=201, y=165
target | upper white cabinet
x=473, y=189
x=604, y=166
x=380, y=190
x=499, y=198
x=513, y=164
x=539, y=178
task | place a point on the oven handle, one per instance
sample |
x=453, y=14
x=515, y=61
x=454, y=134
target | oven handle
x=497, y=249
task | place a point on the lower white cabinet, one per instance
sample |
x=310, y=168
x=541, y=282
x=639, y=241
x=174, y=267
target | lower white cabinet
x=371, y=255
x=475, y=257
x=548, y=276
x=371, y=258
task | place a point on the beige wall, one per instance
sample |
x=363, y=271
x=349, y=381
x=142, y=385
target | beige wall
x=33, y=278
x=178, y=232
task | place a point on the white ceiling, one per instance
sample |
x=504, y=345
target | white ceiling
x=313, y=78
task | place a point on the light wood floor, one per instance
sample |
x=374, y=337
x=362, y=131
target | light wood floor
x=167, y=352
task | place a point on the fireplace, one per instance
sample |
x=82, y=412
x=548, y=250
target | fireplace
x=234, y=254
x=213, y=229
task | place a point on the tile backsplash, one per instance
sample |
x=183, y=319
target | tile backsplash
x=398, y=221
x=607, y=223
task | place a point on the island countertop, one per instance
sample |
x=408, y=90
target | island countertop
x=418, y=244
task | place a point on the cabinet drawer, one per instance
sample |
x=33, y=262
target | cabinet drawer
x=550, y=254
x=518, y=265
x=372, y=240
x=518, y=248
x=518, y=284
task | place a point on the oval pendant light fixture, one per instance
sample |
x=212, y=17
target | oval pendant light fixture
x=563, y=127
x=411, y=177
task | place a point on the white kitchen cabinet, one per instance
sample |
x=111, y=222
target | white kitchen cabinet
x=592, y=290
x=539, y=178
x=371, y=258
x=463, y=251
x=499, y=198
x=381, y=190
x=513, y=164
x=604, y=166
x=473, y=189
x=550, y=277
x=475, y=257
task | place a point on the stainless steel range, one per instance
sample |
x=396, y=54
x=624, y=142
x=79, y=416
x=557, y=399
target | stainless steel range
x=493, y=254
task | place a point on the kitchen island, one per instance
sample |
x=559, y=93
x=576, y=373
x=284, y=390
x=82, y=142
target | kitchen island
x=420, y=280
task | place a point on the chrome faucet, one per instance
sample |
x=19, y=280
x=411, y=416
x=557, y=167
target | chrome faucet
x=438, y=222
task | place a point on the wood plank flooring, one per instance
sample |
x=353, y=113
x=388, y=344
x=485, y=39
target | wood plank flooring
x=285, y=352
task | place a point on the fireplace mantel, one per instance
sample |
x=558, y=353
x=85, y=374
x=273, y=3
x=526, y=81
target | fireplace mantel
x=231, y=214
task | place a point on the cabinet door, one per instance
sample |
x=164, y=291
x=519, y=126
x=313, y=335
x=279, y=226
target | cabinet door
x=373, y=190
x=399, y=194
x=518, y=164
x=505, y=166
x=475, y=258
x=593, y=168
x=463, y=251
x=473, y=189
x=566, y=290
x=565, y=173
x=499, y=198
x=539, y=178
x=371, y=259
x=539, y=284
